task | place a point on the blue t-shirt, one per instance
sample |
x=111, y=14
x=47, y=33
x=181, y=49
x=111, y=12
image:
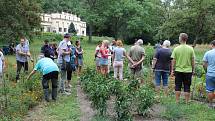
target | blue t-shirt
x=46, y=65
x=209, y=57
x=119, y=54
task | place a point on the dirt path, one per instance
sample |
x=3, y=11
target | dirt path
x=36, y=114
x=85, y=106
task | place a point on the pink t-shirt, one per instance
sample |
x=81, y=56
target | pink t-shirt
x=104, y=53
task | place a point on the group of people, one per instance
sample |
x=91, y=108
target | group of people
x=179, y=63
x=117, y=53
x=69, y=59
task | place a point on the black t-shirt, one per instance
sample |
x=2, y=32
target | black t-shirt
x=47, y=51
x=163, y=56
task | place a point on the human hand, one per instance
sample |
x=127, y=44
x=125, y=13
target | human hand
x=172, y=73
x=135, y=65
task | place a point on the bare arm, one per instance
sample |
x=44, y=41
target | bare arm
x=172, y=66
x=129, y=58
x=66, y=52
x=140, y=61
x=154, y=61
x=193, y=65
x=205, y=65
x=21, y=53
x=31, y=74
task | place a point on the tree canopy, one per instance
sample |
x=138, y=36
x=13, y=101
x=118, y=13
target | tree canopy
x=18, y=18
x=151, y=20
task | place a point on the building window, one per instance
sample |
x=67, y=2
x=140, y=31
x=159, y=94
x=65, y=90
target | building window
x=60, y=29
x=69, y=18
x=82, y=32
x=65, y=29
x=56, y=21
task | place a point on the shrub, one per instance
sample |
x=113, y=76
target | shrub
x=129, y=96
x=144, y=99
x=123, y=103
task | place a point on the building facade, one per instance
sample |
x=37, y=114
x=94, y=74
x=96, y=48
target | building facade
x=60, y=22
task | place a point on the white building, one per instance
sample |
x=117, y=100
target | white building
x=60, y=22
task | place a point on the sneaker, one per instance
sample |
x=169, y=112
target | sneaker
x=66, y=93
x=17, y=81
x=69, y=85
x=68, y=90
x=211, y=105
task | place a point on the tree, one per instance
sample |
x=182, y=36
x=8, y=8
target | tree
x=72, y=29
x=18, y=18
x=195, y=17
x=92, y=12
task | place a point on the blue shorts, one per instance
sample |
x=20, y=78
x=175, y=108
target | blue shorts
x=103, y=61
x=210, y=84
x=161, y=75
x=80, y=62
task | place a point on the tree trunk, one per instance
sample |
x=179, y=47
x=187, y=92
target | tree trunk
x=195, y=41
x=90, y=33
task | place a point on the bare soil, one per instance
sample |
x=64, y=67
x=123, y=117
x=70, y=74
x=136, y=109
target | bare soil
x=85, y=106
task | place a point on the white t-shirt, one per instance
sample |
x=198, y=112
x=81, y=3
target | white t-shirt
x=1, y=61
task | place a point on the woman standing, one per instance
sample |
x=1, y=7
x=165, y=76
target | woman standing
x=104, y=57
x=118, y=56
x=79, y=55
x=161, y=66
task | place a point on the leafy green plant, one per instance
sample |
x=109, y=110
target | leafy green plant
x=144, y=99
x=123, y=103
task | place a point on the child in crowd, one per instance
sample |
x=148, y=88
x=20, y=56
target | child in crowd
x=79, y=55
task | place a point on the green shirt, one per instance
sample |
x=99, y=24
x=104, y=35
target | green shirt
x=183, y=55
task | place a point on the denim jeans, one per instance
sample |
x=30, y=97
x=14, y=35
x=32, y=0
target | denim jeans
x=161, y=75
x=210, y=84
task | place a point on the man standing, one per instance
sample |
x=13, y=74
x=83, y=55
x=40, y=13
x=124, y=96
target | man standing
x=22, y=55
x=209, y=66
x=47, y=50
x=137, y=54
x=183, y=62
x=64, y=60
x=50, y=72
